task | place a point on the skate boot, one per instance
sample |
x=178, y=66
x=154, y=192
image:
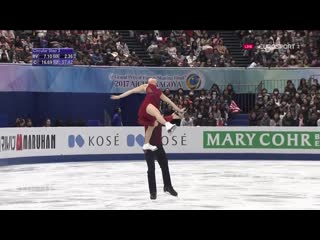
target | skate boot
x=171, y=191
x=148, y=146
x=153, y=196
x=170, y=127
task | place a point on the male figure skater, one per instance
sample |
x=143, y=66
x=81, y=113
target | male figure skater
x=161, y=156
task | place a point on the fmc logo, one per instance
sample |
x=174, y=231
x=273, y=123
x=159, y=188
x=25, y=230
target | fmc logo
x=73, y=140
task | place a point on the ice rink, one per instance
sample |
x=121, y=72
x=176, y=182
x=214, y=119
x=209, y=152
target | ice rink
x=200, y=184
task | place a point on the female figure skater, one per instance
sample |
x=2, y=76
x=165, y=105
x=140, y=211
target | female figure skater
x=149, y=109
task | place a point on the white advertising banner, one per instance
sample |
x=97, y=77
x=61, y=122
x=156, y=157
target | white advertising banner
x=59, y=141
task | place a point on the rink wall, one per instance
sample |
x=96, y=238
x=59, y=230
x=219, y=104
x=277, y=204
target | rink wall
x=82, y=93
x=64, y=144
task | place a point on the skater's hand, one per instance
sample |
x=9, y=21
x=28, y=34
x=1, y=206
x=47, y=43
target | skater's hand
x=179, y=115
x=182, y=111
x=115, y=97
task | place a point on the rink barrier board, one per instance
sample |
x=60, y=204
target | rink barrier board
x=171, y=156
x=71, y=144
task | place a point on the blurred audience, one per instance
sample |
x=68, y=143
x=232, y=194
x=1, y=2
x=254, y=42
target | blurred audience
x=294, y=107
x=185, y=48
x=92, y=47
x=282, y=48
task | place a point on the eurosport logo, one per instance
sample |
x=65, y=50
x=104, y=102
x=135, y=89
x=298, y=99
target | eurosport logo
x=93, y=141
x=273, y=46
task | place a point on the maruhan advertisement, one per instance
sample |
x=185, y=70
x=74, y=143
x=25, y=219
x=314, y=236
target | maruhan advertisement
x=185, y=142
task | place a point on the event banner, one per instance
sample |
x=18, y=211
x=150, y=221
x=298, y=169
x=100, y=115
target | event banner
x=89, y=79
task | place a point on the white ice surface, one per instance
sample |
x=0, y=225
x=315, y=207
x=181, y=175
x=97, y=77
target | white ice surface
x=200, y=184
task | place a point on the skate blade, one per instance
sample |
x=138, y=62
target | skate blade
x=172, y=130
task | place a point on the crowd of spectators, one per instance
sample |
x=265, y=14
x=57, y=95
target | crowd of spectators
x=169, y=48
x=185, y=48
x=204, y=107
x=16, y=46
x=21, y=122
x=282, y=48
x=295, y=107
x=92, y=47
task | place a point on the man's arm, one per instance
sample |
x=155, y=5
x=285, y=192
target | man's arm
x=168, y=118
x=167, y=100
x=172, y=117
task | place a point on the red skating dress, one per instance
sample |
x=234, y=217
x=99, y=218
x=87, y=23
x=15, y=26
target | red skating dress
x=153, y=97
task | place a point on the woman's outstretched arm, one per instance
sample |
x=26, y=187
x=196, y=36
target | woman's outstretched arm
x=141, y=88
